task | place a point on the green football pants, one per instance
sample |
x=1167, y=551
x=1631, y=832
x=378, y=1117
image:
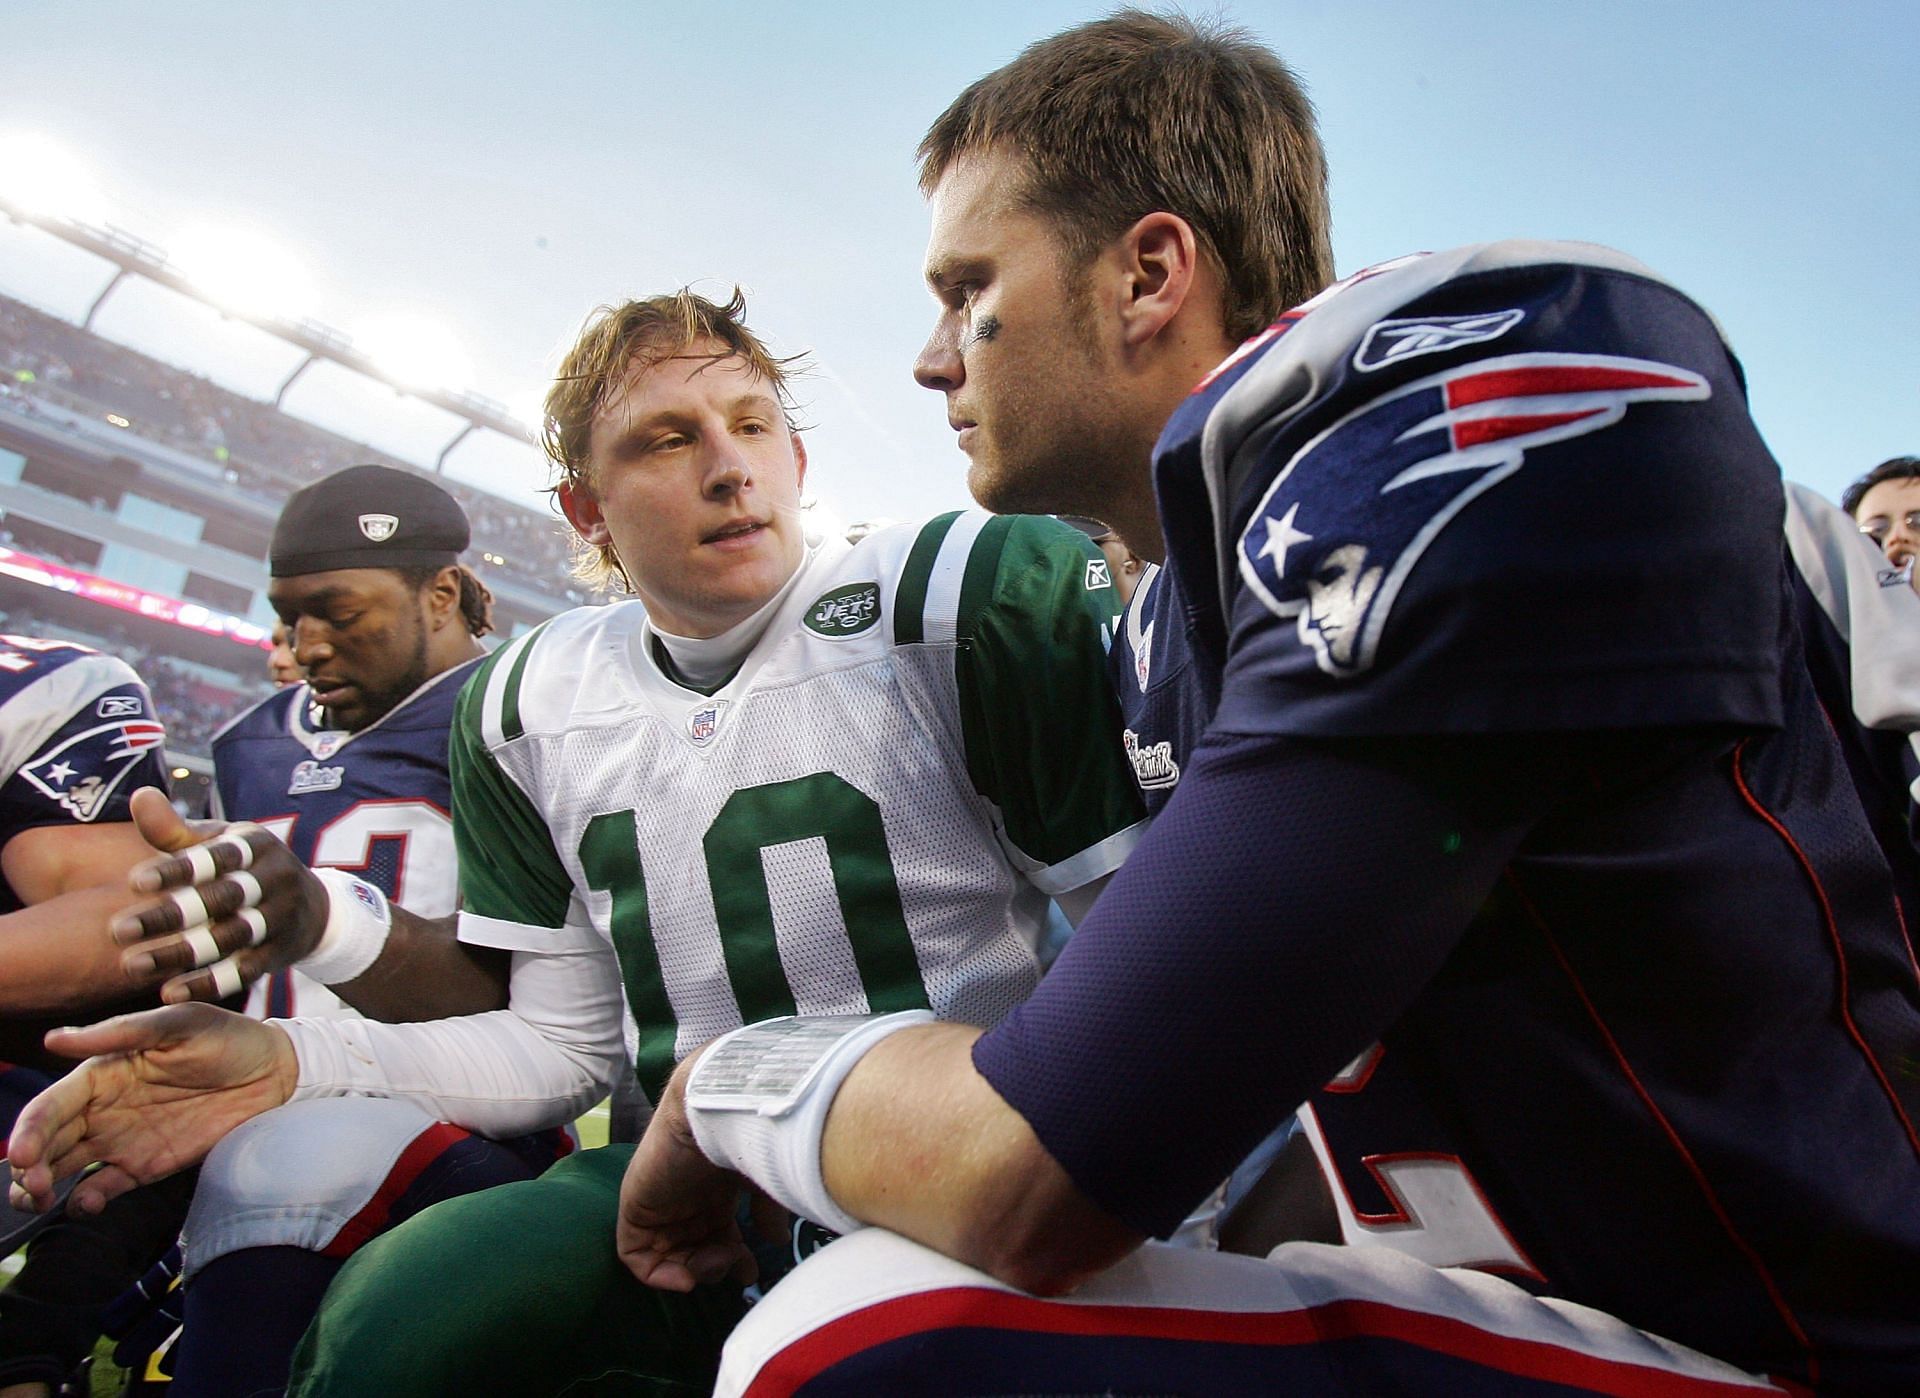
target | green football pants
x=516, y=1289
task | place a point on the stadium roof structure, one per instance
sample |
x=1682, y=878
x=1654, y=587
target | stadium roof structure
x=134, y=256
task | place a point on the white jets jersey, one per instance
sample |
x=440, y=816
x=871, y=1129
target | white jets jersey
x=868, y=816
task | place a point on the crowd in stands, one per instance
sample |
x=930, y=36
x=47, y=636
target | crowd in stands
x=264, y=452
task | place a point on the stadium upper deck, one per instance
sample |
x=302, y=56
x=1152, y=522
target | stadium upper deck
x=162, y=488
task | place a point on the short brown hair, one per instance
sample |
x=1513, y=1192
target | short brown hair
x=1141, y=112
x=613, y=339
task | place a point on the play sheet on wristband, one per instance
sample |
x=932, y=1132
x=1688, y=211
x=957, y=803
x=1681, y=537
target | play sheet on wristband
x=766, y=1068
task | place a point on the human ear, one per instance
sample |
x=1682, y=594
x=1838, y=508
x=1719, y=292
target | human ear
x=1161, y=259
x=582, y=509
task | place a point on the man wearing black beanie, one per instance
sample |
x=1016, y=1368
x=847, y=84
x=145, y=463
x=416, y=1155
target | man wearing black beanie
x=346, y=772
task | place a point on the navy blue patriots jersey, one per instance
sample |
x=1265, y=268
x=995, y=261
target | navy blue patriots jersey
x=1165, y=696
x=1485, y=521
x=376, y=802
x=78, y=736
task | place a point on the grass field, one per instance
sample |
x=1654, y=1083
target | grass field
x=592, y=1126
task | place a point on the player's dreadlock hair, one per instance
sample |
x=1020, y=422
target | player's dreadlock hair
x=476, y=599
x=1139, y=112
x=616, y=339
x=1896, y=468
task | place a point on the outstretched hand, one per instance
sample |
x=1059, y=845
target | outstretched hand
x=679, y=1212
x=209, y=928
x=164, y=1087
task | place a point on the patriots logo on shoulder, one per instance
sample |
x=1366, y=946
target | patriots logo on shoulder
x=1343, y=525
x=379, y=528
x=84, y=772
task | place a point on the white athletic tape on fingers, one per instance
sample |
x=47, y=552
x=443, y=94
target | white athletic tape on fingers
x=200, y=941
x=200, y=863
x=758, y=1101
x=236, y=835
x=226, y=979
x=255, y=922
x=358, y=921
x=250, y=893
x=193, y=908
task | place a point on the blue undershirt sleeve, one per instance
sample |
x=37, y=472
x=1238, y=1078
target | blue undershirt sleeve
x=1283, y=911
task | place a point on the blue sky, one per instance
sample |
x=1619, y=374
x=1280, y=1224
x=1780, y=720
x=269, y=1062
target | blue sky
x=504, y=167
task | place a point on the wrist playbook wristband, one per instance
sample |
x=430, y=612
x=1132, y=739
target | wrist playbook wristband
x=358, y=920
x=758, y=1101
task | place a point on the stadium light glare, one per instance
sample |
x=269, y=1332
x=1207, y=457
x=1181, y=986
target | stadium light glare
x=821, y=520
x=529, y=407
x=417, y=352
x=243, y=271
x=43, y=177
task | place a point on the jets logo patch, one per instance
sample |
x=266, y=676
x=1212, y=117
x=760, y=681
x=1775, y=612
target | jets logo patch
x=845, y=611
x=83, y=772
x=1341, y=528
x=379, y=528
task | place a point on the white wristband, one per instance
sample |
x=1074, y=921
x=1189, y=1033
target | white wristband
x=358, y=920
x=758, y=1102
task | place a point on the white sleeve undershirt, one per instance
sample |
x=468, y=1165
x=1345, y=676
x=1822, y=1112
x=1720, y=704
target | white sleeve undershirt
x=553, y=1052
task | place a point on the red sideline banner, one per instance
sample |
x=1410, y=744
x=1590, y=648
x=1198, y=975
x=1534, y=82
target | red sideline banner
x=191, y=615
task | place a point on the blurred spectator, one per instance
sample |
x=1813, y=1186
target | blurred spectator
x=282, y=668
x=1885, y=503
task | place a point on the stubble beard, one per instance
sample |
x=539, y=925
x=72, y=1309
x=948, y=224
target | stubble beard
x=377, y=704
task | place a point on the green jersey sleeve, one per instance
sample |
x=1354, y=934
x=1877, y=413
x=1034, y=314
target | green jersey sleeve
x=1038, y=716
x=509, y=871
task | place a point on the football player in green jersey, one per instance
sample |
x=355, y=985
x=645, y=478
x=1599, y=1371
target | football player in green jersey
x=796, y=776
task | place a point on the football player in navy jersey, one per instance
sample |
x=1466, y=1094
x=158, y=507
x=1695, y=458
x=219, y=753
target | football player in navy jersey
x=1514, y=839
x=344, y=773
x=78, y=735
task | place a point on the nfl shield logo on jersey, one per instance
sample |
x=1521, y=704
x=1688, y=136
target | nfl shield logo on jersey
x=704, y=722
x=379, y=528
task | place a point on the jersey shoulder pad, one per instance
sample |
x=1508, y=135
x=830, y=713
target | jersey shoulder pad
x=263, y=717
x=961, y=567
x=1485, y=472
x=567, y=667
x=45, y=684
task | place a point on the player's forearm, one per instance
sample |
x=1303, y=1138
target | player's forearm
x=424, y=972
x=57, y=955
x=534, y=1065
x=490, y=1073
x=919, y=1143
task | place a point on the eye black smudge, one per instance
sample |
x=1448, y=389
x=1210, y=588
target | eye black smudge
x=984, y=329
